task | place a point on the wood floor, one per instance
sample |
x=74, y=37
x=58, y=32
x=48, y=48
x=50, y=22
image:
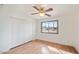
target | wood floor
x=42, y=47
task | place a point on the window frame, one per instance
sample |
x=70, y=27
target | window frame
x=57, y=30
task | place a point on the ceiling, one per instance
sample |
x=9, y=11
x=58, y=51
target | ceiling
x=58, y=10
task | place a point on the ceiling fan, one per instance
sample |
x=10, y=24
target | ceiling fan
x=41, y=11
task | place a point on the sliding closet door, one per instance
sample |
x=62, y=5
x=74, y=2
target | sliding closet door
x=21, y=31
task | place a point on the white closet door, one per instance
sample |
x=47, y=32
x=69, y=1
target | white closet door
x=21, y=31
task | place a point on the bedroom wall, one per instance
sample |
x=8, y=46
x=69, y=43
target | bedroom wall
x=66, y=30
x=76, y=41
x=15, y=29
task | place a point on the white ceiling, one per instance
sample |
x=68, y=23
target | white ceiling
x=58, y=10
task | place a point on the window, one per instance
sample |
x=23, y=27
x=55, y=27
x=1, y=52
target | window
x=50, y=27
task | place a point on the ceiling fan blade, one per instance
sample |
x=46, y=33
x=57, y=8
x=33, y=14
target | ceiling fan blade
x=35, y=7
x=34, y=13
x=48, y=15
x=50, y=9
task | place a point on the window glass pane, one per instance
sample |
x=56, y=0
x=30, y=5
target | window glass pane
x=50, y=24
x=55, y=24
x=43, y=24
x=45, y=27
x=46, y=24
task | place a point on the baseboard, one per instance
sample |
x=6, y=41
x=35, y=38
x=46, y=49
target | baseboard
x=59, y=46
x=21, y=44
x=3, y=51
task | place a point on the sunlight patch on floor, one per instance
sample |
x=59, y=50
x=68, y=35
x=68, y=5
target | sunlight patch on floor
x=49, y=50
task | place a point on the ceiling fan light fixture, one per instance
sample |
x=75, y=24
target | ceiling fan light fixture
x=42, y=11
x=42, y=14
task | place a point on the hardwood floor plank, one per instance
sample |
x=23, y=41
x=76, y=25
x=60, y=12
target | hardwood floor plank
x=41, y=46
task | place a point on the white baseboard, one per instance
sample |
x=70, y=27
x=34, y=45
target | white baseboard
x=7, y=49
x=4, y=50
x=20, y=44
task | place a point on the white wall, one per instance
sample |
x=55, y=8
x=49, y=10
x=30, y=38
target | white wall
x=66, y=30
x=14, y=28
x=76, y=41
